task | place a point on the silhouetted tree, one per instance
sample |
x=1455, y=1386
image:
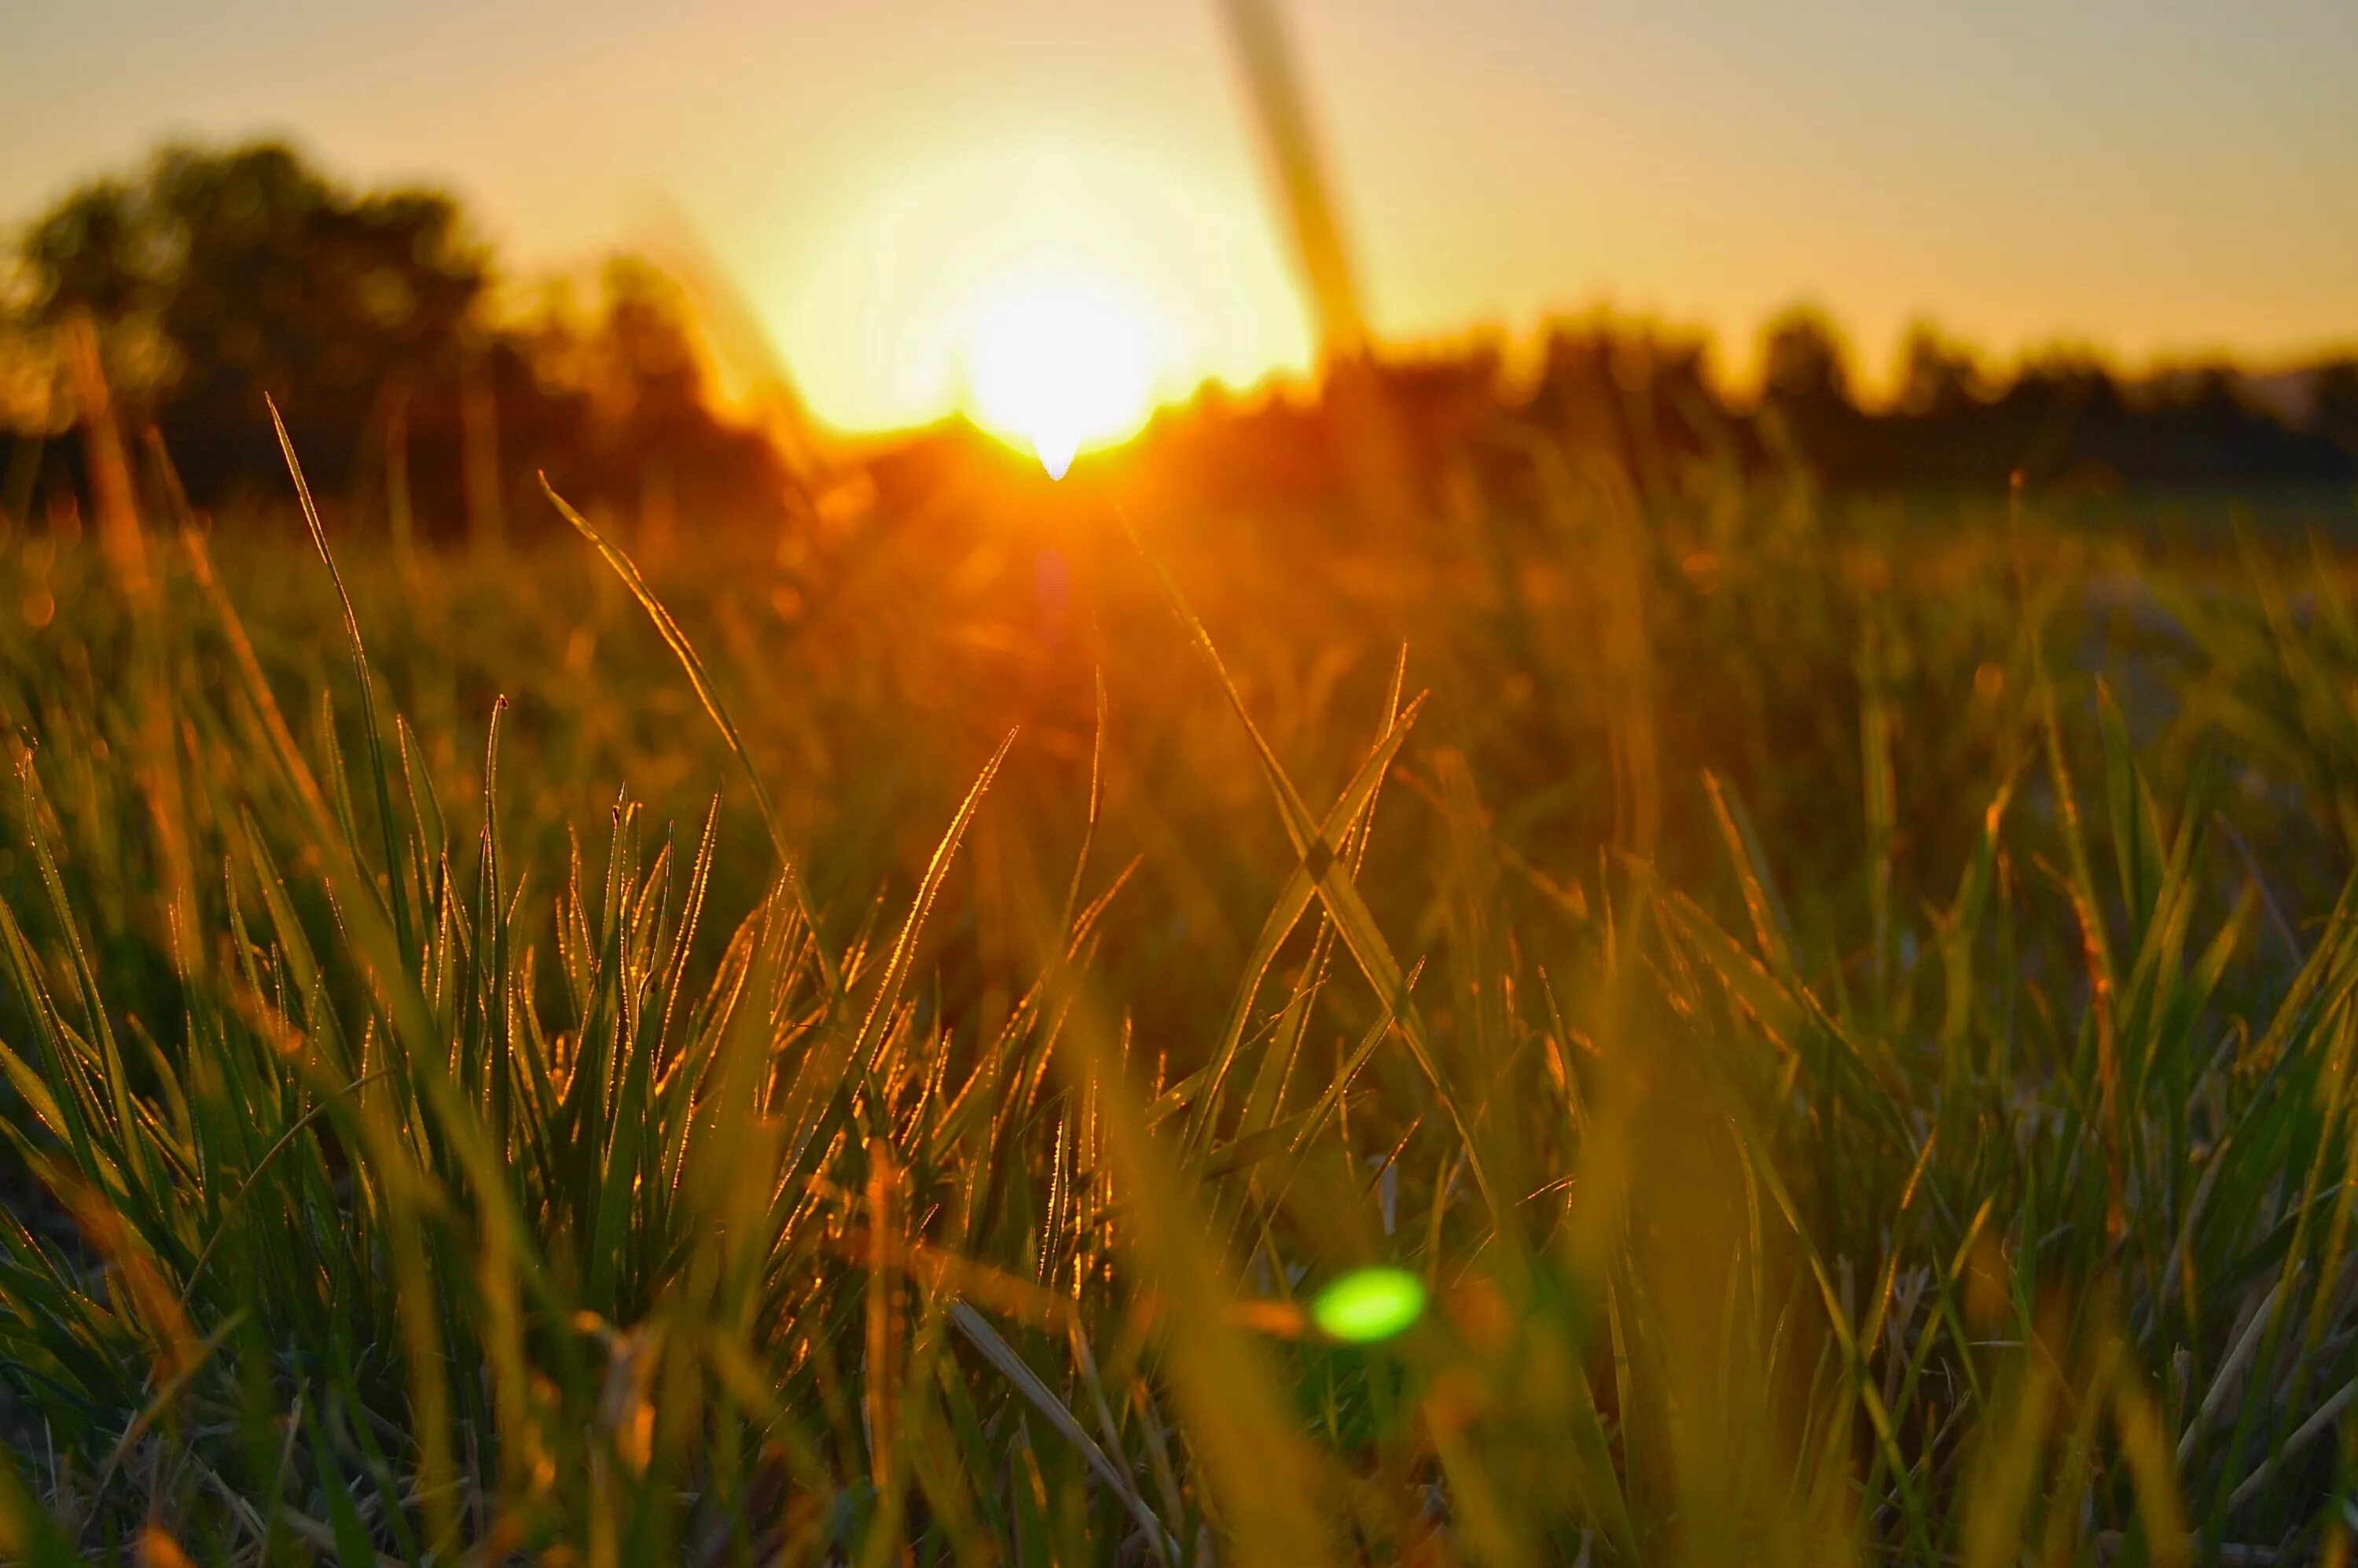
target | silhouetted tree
x=1805, y=394
x=255, y=274
x=1938, y=376
x=2335, y=404
x=1631, y=390
x=217, y=278
x=1803, y=364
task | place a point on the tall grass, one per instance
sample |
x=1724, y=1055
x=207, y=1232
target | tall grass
x=1853, y=1090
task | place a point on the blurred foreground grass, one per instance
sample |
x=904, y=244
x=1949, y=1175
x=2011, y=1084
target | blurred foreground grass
x=1850, y=1017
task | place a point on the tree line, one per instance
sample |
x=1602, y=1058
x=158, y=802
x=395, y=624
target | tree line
x=413, y=383
x=1647, y=402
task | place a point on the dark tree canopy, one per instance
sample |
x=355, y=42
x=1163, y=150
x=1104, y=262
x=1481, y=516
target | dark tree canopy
x=2337, y=402
x=1936, y=375
x=1803, y=362
x=219, y=277
x=256, y=269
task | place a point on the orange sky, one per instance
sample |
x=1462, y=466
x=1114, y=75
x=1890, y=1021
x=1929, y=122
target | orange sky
x=2150, y=177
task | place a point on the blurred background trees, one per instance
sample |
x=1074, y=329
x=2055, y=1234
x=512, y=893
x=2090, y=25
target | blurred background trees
x=375, y=321
x=427, y=392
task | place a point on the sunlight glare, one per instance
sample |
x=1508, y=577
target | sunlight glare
x=1061, y=359
x=876, y=297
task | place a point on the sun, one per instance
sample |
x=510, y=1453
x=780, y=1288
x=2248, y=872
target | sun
x=1060, y=358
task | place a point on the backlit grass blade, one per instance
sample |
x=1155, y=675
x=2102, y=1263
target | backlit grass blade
x=1300, y=887
x=627, y=569
x=870, y=1039
x=1261, y=1476
x=378, y=772
x=1349, y=912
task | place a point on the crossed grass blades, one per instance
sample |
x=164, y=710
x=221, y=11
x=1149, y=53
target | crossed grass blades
x=369, y=1203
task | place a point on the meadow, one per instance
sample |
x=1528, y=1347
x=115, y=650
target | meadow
x=874, y=1044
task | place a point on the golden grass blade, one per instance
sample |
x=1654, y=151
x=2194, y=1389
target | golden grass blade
x=1261, y=1476
x=627, y=569
x=1320, y=858
x=109, y=475
x=903, y=955
x=377, y=769
x=1300, y=888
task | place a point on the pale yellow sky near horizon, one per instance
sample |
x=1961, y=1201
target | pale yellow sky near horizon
x=2156, y=180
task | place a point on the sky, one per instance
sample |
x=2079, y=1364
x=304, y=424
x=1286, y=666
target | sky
x=2153, y=179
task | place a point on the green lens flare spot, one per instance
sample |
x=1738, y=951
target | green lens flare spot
x=1368, y=1305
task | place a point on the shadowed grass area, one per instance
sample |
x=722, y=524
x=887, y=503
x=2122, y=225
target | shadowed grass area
x=1845, y=1029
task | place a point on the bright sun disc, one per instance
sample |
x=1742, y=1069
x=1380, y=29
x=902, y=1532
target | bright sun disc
x=1063, y=360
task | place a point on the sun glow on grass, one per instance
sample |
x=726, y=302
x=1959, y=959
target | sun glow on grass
x=1368, y=1304
x=1062, y=359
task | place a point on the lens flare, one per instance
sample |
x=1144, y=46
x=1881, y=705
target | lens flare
x=1368, y=1304
x=1062, y=359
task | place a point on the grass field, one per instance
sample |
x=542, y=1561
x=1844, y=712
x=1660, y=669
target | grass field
x=1849, y=1016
